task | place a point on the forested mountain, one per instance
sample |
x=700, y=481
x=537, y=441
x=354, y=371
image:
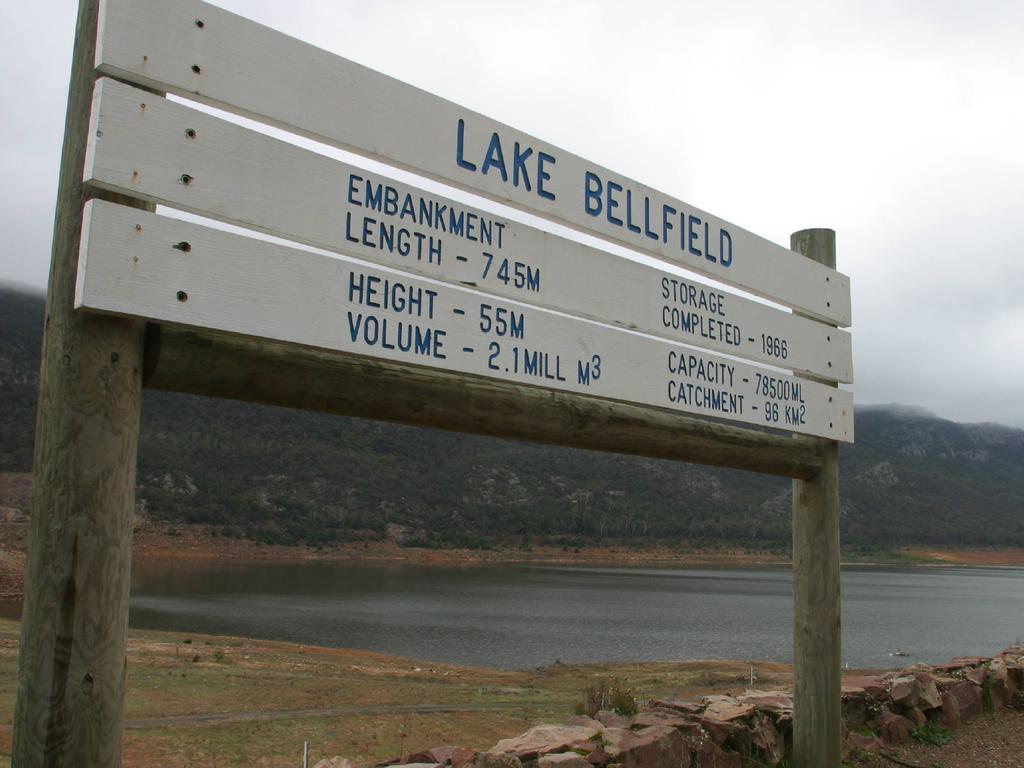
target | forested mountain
x=287, y=476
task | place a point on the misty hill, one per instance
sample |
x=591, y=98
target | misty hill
x=287, y=476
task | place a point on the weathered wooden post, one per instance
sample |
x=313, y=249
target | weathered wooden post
x=817, y=637
x=70, y=696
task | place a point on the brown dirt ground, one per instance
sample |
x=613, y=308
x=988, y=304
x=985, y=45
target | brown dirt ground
x=989, y=741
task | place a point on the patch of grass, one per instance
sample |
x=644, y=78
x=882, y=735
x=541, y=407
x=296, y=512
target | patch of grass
x=932, y=733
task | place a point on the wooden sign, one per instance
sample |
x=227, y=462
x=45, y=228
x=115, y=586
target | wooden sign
x=144, y=265
x=257, y=321
x=144, y=146
x=204, y=53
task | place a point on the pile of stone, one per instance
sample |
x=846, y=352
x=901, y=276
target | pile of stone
x=720, y=731
x=886, y=709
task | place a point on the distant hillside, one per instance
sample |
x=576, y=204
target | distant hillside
x=287, y=476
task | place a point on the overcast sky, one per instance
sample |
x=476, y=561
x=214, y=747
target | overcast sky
x=900, y=124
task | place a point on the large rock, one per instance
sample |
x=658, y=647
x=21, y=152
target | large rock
x=775, y=702
x=905, y=691
x=950, y=718
x=687, y=707
x=719, y=731
x=977, y=676
x=443, y=755
x=928, y=694
x=999, y=695
x=766, y=740
x=893, y=728
x=710, y=755
x=562, y=760
x=855, y=705
x=997, y=670
x=874, y=686
x=546, y=739
x=495, y=760
x=655, y=747
x=970, y=697
x=611, y=719
x=915, y=715
x=667, y=717
x=727, y=711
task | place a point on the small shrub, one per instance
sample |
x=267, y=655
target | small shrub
x=932, y=733
x=605, y=694
x=218, y=655
x=195, y=658
x=623, y=702
x=594, y=697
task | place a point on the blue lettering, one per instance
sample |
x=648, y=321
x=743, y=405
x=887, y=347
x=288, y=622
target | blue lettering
x=367, y=229
x=667, y=211
x=494, y=157
x=613, y=203
x=543, y=175
x=459, y=147
x=457, y=224
x=348, y=228
x=519, y=166
x=371, y=330
x=374, y=198
x=390, y=201
x=592, y=194
x=647, y=219
x=629, y=212
x=426, y=212
x=354, y=323
x=408, y=208
x=707, y=245
x=725, y=254
x=693, y=236
x=353, y=183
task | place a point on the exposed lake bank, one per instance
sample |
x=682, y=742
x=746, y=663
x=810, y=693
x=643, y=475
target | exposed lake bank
x=155, y=540
x=228, y=701
x=215, y=700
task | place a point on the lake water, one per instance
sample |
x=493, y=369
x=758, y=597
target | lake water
x=526, y=616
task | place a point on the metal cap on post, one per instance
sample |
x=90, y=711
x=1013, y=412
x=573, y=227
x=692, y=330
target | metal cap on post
x=817, y=651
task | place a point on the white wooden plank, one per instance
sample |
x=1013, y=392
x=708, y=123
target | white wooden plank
x=197, y=50
x=249, y=179
x=133, y=263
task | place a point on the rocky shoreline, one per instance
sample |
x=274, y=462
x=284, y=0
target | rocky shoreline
x=755, y=727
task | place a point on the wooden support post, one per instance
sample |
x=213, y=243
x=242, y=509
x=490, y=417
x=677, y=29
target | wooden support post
x=69, y=705
x=817, y=652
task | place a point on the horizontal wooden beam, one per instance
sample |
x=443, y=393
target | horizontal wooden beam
x=239, y=368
